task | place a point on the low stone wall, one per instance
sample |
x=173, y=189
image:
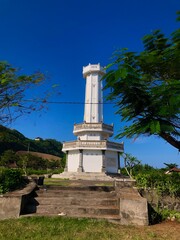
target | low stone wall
x=133, y=207
x=163, y=202
x=124, y=183
x=12, y=203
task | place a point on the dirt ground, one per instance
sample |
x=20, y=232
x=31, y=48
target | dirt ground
x=169, y=229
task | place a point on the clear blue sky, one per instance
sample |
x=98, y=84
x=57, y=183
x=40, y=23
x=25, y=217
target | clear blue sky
x=59, y=37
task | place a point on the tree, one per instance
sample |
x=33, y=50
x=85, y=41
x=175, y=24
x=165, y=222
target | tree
x=12, y=91
x=9, y=158
x=36, y=162
x=145, y=87
x=129, y=163
x=170, y=165
x=23, y=161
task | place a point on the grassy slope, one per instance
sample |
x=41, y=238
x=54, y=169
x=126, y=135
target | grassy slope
x=45, y=228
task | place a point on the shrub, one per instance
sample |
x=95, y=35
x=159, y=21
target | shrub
x=164, y=184
x=10, y=179
x=31, y=171
x=8, y=158
x=169, y=214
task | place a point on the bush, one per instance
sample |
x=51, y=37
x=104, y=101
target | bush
x=10, y=179
x=169, y=214
x=164, y=184
x=31, y=171
x=8, y=158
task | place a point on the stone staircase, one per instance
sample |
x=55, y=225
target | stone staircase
x=77, y=201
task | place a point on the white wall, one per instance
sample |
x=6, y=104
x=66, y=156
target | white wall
x=73, y=161
x=93, y=94
x=92, y=161
x=111, y=162
x=90, y=136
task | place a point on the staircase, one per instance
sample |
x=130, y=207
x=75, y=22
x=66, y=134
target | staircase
x=74, y=201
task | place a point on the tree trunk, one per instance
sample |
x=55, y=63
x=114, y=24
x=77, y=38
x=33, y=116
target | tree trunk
x=170, y=140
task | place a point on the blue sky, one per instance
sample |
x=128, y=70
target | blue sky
x=59, y=37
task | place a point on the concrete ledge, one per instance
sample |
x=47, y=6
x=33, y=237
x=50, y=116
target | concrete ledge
x=132, y=207
x=12, y=203
x=134, y=211
x=83, y=176
x=124, y=182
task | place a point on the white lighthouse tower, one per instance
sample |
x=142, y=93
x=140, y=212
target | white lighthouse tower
x=92, y=152
x=93, y=112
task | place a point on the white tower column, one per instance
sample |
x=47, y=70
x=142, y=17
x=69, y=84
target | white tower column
x=93, y=112
x=80, y=168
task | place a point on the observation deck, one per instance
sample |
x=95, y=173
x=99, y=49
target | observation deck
x=89, y=144
x=93, y=127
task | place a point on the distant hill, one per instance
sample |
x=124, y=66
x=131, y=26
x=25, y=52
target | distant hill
x=14, y=140
x=49, y=157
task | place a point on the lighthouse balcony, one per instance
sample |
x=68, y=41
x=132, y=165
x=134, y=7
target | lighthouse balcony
x=93, y=68
x=93, y=127
x=96, y=145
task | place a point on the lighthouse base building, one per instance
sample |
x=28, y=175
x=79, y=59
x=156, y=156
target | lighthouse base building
x=92, y=153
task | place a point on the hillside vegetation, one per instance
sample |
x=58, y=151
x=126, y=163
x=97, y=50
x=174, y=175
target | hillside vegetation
x=14, y=140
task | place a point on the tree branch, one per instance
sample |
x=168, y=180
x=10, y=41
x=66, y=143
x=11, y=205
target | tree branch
x=170, y=140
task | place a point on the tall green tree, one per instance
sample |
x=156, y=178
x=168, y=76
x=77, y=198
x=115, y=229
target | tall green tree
x=13, y=86
x=145, y=87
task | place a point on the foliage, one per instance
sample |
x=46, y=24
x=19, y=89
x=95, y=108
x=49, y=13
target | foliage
x=148, y=177
x=63, y=161
x=10, y=179
x=169, y=214
x=12, y=139
x=30, y=164
x=8, y=158
x=145, y=87
x=51, y=145
x=163, y=183
x=144, y=168
x=170, y=165
x=31, y=171
x=130, y=162
x=35, y=162
x=12, y=91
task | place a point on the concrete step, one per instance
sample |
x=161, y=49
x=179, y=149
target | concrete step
x=79, y=188
x=107, y=217
x=83, y=176
x=77, y=201
x=69, y=193
x=77, y=210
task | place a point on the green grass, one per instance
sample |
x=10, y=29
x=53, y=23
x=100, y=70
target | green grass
x=57, y=182
x=53, y=228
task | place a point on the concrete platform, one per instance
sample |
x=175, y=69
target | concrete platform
x=92, y=176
